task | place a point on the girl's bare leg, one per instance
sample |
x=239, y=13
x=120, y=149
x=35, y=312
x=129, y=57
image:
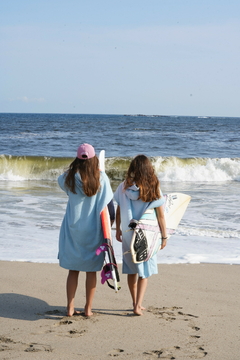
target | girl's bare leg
x=72, y=283
x=91, y=282
x=141, y=289
x=132, y=285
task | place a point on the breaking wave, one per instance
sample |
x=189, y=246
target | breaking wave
x=169, y=169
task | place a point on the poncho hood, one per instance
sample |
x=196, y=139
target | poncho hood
x=133, y=192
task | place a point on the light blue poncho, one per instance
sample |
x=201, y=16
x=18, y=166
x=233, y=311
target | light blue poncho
x=132, y=208
x=81, y=232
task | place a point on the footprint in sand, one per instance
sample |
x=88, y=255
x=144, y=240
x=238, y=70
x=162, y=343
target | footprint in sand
x=9, y=344
x=198, y=352
x=38, y=347
x=196, y=328
x=174, y=353
x=192, y=348
x=195, y=336
x=65, y=322
x=190, y=315
x=115, y=352
x=5, y=343
x=77, y=332
x=163, y=353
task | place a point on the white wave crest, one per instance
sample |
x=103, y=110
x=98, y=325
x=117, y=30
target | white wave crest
x=198, y=170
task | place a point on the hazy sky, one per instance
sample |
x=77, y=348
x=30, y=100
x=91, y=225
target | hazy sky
x=165, y=57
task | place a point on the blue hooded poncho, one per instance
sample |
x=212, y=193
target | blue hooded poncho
x=133, y=208
x=81, y=231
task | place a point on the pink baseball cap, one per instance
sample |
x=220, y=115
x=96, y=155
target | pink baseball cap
x=85, y=151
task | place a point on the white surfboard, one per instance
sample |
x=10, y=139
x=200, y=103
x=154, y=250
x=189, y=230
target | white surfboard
x=146, y=239
x=101, y=159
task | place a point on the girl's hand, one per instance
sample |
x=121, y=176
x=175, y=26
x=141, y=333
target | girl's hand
x=119, y=235
x=164, y=243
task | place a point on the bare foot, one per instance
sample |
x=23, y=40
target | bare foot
x=88, y=311
x=72, y=312
x=141, y=307
x=137, y=310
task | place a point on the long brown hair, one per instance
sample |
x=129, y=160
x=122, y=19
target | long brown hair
x=89, y=172
x=141, y=173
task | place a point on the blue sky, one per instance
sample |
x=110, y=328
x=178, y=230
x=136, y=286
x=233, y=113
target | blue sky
x=160, y=57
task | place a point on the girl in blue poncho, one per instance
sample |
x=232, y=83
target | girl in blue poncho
x=88, y=191
x=140, y=190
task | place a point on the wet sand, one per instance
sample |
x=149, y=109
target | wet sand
x=192, y=312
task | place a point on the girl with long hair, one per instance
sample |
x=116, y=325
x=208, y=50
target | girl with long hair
x=88, y=191
x=139, y=191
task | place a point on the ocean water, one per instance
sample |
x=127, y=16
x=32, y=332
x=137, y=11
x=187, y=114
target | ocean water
x=199, y=156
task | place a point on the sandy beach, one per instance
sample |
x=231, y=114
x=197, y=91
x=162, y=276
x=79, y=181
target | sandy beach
x=192, y=312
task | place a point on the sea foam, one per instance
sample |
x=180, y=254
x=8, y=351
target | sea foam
x=198, y=169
